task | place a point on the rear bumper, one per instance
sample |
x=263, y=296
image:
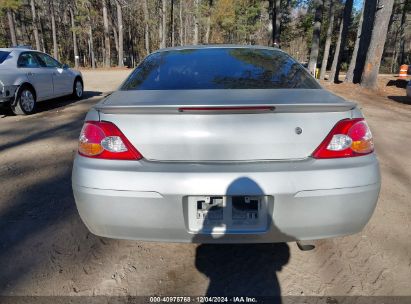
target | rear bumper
x=312, y=199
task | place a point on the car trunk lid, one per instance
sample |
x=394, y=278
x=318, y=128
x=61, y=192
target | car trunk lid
x=225, y=125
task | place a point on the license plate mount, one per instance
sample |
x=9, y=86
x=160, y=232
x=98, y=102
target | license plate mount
x=227, y=214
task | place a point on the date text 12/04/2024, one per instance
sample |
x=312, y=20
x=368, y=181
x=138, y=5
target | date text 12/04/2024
x=203, y=299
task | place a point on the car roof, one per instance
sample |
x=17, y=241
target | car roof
x=218, y=46
x=17, y=50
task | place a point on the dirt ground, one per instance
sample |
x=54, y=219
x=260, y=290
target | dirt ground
x=46, y=250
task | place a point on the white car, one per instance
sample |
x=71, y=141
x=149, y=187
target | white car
x=28, y=76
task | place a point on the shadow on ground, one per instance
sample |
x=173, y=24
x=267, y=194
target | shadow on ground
x=240, y=269
x=401, y=99
x=399, y=83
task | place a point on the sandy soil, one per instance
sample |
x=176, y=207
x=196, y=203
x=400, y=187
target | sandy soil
x=46, y=250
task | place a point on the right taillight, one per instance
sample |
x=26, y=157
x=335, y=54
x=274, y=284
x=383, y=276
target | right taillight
x=348, y=138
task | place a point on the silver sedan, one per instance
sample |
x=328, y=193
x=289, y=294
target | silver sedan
x=229, y=144
x=27, y=77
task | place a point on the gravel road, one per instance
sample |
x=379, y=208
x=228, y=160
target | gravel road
x=46, y=250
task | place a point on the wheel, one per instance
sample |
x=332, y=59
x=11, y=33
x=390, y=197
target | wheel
x=25, y=103
x=78, y=88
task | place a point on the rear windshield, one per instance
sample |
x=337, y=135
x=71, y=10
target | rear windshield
x=3, y=56
x=219, y=68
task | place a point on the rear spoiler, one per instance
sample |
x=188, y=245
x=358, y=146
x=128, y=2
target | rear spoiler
x=223, y=101
x=225, y=109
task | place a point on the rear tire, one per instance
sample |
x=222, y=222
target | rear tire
x=78, y=88
x=25, y=103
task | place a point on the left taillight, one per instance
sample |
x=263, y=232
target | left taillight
x=102, y=139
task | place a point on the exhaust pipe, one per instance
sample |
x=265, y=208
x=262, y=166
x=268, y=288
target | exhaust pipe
x=305, y=245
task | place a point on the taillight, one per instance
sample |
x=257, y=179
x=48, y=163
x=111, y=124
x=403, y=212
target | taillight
x=348, y=138
x=102, y=139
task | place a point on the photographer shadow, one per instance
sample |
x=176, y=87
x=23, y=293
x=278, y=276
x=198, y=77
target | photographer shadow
x=235, y=268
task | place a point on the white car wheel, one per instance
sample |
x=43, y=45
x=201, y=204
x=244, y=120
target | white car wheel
x=78, y=89
x=25, y=102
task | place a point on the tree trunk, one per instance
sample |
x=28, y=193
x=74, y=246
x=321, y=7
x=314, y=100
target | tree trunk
x=396, y=42
x=402, y=33
x=208, y=25
x=271, y=19
x=129, y=46
x=277, y=33
x=133, y=55
x=89, y=61
x=366, y=31
x=394, y=58
x=163, y=43
x=107, y=53
x=35, y=25
x=11, y=27
x=120, y=34
x=335, y=69
x=196, y=22
x=146, y=27
x=186, y=29
x=41, y=24
x=327, y=40
x=208, y=29
x=376, y=48
x=102, y=49
x=75, y=48
x=315, y=44
x=274, y=8
x=331, y=76
x=349, y=77
x=20, y=30
x=160, y=35
x=54, y=32
x=172, y=23
x=115, y=35
x=181, y=22
x=93, y=59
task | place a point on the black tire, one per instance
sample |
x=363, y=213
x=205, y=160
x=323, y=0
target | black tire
x=25, y=102
x=78, y=94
